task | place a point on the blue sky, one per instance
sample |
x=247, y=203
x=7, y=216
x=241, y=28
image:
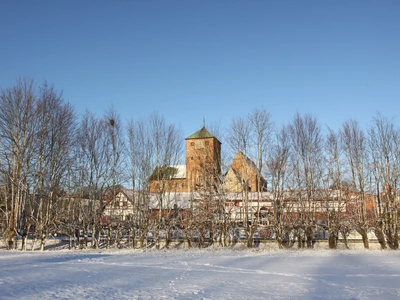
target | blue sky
x=213, y=59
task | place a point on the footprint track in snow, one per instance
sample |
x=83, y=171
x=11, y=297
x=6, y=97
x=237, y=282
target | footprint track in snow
x=194, y=290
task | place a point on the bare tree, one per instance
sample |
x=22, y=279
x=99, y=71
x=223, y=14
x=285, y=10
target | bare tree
x=278, y=168
x=239, y=138
x=333, y=206
x=56, y=121
x=167, y=149
x=116, y=157
x=17, y=128
x=384, y=146
x=93, y=172
x=140, y=156
x=208, y=211
x=36, y=133
x=262, y=128
x=306, y=142
x=354, y=146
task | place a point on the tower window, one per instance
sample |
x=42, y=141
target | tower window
x=192, y=144
x=207, y=143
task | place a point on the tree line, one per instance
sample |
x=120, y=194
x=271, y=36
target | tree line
x=58, y=170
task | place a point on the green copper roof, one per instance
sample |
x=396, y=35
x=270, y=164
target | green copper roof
x=201, y=134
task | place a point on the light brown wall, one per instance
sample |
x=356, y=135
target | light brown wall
x=202, y=154
x=246, y=172
x=232, y=185
x=170, y=186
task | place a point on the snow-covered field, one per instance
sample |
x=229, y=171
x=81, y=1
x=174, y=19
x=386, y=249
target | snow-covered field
x=200, y=274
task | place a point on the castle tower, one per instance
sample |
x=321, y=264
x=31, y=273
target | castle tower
x=203, y=160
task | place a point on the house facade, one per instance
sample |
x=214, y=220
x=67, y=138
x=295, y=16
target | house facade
x=122, y=205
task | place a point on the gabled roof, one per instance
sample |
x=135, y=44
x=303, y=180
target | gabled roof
x=248, y=161
x=169, y=172
x=181, y=173
x=201, y=134
x=129, y=193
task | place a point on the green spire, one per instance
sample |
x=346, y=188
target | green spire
x=201, y=134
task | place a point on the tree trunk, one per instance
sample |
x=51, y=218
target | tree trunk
x=42, y=242
x=24, y=242
x=332, y=240
x=309, y=237
x=10, y=239
x=299, y=240
x=364, y=236
x=381, y=236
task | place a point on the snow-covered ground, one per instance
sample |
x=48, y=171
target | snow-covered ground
x=200, y=274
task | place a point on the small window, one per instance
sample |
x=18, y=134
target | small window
x=183, y=185
x=191, y=158
x=207, y=143
x=192, y=144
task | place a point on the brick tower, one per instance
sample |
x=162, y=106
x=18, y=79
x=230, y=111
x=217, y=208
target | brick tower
x=203, y=160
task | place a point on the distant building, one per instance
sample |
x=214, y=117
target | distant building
x=244, y=189
x=202, y=169
x=122, y=205
x=243, y=176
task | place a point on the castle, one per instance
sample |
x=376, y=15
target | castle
x=202, y=170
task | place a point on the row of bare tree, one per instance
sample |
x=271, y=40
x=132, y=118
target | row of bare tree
x=336, y=181
x=59, y=170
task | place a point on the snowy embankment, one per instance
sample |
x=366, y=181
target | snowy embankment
x=200, y=274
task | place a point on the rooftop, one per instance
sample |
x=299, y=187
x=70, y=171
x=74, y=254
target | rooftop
x=201, y=134
x=169, y=172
